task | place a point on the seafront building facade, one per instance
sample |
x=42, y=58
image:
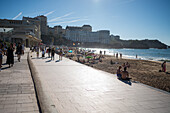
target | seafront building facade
x=30, y=30
x=85, y=34
x=27, y=30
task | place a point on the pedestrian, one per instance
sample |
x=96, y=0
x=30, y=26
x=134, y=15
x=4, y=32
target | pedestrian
x=104, y=52
x=23, y=48
x=100, y=52
x=120, y=55
x=136, y=56
x=116, y=55
x=60, y=54
x=163, y=66
x=52, y=53
x=10, y=55
x=19, y=51
x=5, y=48
x=37, y=51
x=49, y=51
x=1, y=56
x=43, y=53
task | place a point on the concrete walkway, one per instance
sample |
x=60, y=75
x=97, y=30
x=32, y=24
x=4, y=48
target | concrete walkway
x=70, y=87
x=17, y=93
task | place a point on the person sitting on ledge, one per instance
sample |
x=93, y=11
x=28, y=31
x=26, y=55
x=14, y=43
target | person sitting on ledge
x=119, y=75
x=125, y=74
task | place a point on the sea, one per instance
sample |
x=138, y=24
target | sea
x=143, y=54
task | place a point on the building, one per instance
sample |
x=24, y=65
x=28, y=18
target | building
x=85, y=34
x=24, y=31
x=43, y=24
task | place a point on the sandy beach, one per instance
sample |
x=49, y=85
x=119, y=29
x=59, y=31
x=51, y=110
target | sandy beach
x=143, y=71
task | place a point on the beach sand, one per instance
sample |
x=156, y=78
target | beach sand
x=143, y=71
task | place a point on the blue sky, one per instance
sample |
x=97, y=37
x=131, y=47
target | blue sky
x=131, y=19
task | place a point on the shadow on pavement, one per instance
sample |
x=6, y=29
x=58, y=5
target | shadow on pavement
x=4, y=68
x=37, y=58
x=4, y=64
x=48, y=61
x=167, y=72
x=126, y=81
x=57, y=61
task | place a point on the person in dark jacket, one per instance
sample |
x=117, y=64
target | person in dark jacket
x=19, y=51
x=52, y=53
x=10, y=55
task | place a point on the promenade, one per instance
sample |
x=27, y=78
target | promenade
x=70, y=87
x=17, y=94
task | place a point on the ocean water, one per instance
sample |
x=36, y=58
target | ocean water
x=145, y=54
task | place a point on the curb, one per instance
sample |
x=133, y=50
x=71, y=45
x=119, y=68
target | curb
x=44, y=103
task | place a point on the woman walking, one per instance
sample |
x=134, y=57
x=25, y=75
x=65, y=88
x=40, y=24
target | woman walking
x=10, y=55
x=19, y=51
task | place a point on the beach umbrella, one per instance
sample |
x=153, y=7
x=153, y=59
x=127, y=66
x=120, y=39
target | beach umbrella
x=89, y=57
x=70, y=51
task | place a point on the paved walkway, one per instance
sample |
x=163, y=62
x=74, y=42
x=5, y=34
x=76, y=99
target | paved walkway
x=71, y=87
x=17, y=93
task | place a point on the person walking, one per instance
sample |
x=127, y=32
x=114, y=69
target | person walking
x=5, y=48
x=19, y=51
x=1, y=56
x=43, y=53
x=60, y=54
x=23, y=48
x=163, y=66
x=37, y=50
x=49, y=52
x=52, y=53
x=10, y=55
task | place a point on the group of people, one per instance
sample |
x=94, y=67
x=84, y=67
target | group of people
x=117, y=55
x=123, y=74
x=9, y=52
x=50, y=51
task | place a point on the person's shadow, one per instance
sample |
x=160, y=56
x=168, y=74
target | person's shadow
x=48, y=61
x=167, y=72
x=126, y=81
x=4, y=64
x=4, y=68
x=57, y=61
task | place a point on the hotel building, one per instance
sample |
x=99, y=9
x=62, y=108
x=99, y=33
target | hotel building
x=85, y=34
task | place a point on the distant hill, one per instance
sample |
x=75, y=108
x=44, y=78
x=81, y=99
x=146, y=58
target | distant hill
x=135, y=44
x=116, y=43
x=141, y=44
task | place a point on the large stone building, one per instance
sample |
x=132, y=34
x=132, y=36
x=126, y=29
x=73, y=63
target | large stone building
x=85, y=34
x=43, y=24
x=23, y=31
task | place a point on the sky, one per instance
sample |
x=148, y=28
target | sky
x=131, y=19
